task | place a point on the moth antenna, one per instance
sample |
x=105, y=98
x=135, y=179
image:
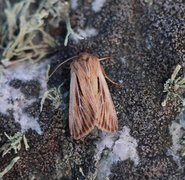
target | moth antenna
x=60, y=65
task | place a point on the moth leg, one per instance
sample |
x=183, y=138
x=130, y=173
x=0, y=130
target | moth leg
x=119, y=85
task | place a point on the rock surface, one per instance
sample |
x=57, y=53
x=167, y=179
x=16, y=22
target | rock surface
x=145, y=40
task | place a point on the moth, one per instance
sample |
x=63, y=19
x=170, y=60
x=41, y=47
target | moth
x=90, y=103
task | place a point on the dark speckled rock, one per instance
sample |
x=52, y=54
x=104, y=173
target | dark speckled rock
x=31, y=89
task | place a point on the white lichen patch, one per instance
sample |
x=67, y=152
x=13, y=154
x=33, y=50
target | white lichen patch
x=125, y=147
x=14, y=100
x=116, y=148
x=74, y=4
x=177, y=130
x=85, y=33
x=97, y=5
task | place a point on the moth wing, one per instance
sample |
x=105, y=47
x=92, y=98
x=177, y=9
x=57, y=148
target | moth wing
x=107, y=117
x=82, y=107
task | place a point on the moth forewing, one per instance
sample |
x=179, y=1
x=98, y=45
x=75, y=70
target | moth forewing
x=107, y=120
x=90, y=100
x=81, y=109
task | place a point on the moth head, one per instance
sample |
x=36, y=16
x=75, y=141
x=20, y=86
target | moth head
x=85, y=56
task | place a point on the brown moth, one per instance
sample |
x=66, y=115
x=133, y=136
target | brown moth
x=90, y=103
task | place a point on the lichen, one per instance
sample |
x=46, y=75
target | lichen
x=54, y=95
x=172, y=87
x=28, y=25
x=70, y=32
x=9, y=167
x=14, y=143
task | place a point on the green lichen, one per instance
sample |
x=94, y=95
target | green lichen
x=149, y=2
x=174, y=86
x=14, y=143
x=70, y=32
x=32, y=41
x=9, y=167
x=54, y=95
x=47, y=73
x=28, y=28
